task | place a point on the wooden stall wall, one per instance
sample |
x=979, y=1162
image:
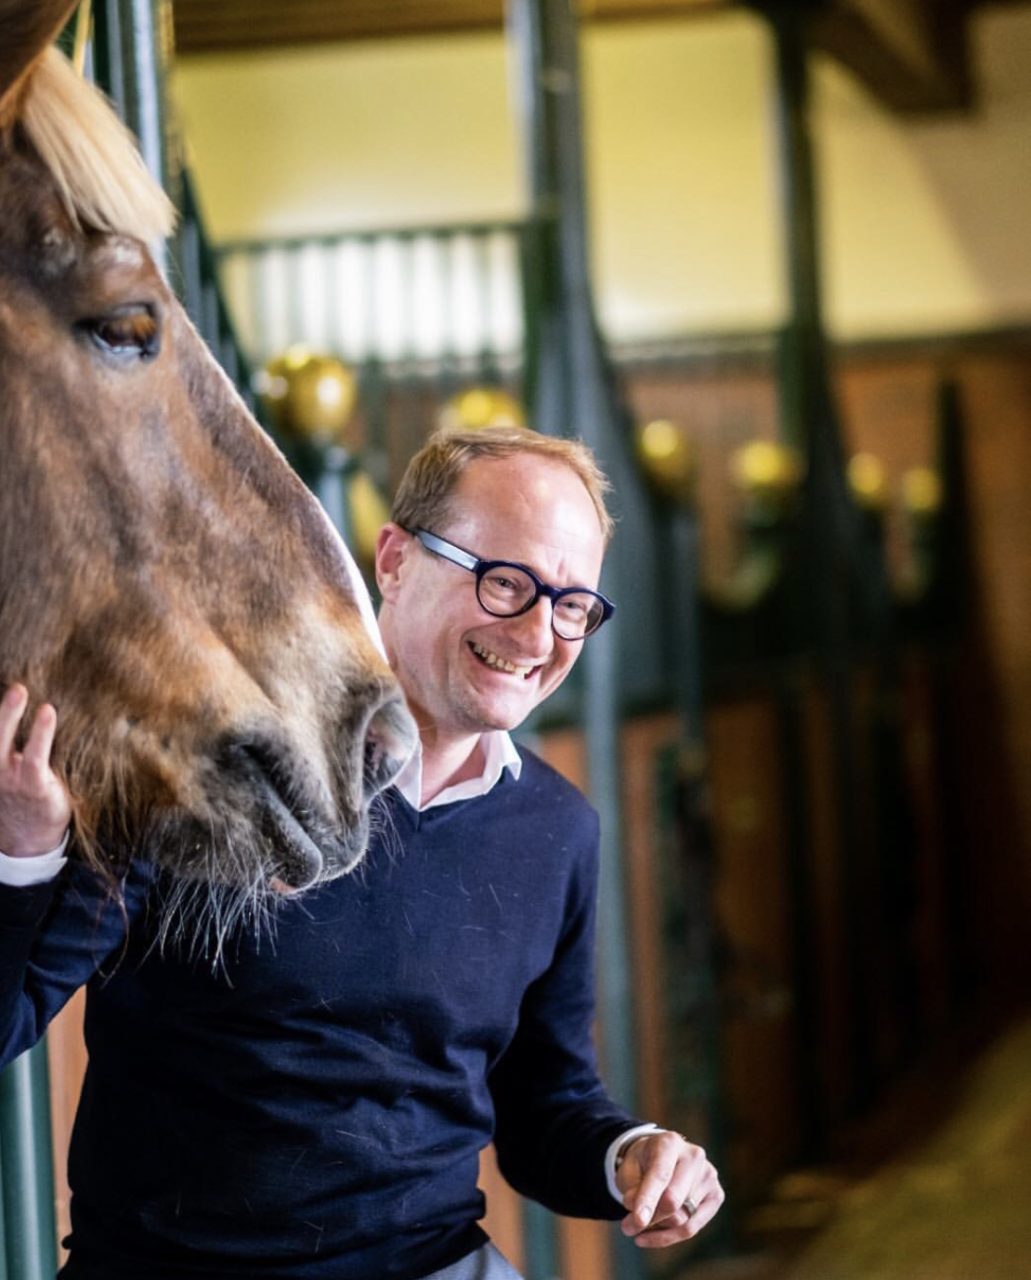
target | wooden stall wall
x=888, y=399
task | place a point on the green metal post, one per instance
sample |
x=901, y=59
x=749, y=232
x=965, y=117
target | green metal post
x=131, y=48
x=800, y=369
x=696, y=854
x=30, y=1228
x=828, y=578
x=570, y=391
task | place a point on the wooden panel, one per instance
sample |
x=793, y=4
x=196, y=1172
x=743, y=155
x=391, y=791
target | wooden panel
x=924, y=780
x=721, y=407
x=832, y=991
x=754, y=918
x=642, y=741
x=66, y=1055
x=207, y=26
x=912, y=54
x=889, y=402
x=583, y=1246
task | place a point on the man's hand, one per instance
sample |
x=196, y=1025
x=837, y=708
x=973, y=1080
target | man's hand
x=35, y=809
x=669, y=1187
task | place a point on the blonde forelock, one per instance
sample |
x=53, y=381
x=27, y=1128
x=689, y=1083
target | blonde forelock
x=91, y=156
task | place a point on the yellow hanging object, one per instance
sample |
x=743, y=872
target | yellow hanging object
x=767, y=470
x=309, y=396
x=868, y=481
x=368, y=513
x=668, y=458
x=479, y=407
x=922, y=491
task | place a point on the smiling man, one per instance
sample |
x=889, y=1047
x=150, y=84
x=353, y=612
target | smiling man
x=314, y=1109
x=478, y=529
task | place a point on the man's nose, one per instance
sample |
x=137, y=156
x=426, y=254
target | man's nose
x=534, y=628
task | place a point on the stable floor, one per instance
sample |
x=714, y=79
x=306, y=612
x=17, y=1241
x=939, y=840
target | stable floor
x=936, y=1185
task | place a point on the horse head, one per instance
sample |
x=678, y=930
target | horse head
x=165, y=579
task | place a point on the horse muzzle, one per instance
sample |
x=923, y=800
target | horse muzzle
x=304, y=840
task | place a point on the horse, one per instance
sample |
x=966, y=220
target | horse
x=166, y=580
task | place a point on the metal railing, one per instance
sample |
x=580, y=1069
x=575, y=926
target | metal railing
x=419, y=297
x=419, y=312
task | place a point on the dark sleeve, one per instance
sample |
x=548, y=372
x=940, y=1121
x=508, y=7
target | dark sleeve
x=554, y=1120
x=53, y=938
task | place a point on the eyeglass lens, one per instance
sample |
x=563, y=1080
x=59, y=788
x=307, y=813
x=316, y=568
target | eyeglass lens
x=505, y=590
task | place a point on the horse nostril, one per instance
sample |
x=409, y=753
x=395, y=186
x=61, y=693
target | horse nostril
x=389, y=741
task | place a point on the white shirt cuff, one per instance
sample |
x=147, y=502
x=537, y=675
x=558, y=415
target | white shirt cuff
x=613, y=1152
x=19, y=873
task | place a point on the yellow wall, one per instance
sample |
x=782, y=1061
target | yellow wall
x=924, y=222
x=362, y=135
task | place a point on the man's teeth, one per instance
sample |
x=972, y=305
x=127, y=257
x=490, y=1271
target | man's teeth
x=499, y=663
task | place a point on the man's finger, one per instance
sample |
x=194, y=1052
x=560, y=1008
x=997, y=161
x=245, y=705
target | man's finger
x=12, y=708
x=651, y=1188
x=668, y=1175
x=680, y=1225
x=36, y=755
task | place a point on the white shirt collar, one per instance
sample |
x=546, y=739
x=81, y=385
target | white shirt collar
x=499, y=754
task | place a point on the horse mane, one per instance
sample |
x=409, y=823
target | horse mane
x=100, y=175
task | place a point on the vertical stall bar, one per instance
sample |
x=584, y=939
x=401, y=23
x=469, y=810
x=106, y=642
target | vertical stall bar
x=132, y=45
x=827, y=582
x=30, y=1224
x=571, y=392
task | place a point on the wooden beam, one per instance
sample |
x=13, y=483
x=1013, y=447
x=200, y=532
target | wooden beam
x=913, y=55
x=220, y=26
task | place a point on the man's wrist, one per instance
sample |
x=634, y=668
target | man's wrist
x=618, y=1149
x=36, y=868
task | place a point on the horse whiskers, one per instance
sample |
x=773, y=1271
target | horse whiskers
x=200, y=918
x=382, y=828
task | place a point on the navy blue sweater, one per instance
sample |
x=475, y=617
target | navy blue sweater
x=316, y=1107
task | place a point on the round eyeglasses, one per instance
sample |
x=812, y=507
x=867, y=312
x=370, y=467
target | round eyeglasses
x=505, y=590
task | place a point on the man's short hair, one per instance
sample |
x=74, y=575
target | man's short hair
x=423, y=497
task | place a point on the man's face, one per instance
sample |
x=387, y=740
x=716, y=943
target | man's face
x=464, y=671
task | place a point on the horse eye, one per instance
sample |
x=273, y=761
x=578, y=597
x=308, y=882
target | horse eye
x=129, y=331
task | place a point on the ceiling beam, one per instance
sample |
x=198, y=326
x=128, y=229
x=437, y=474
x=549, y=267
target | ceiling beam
x=221, y=26
x=913, y=55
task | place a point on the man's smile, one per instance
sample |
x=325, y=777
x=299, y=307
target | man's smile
x=497, y=663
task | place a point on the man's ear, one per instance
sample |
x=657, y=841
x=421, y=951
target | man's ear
x=391, y=548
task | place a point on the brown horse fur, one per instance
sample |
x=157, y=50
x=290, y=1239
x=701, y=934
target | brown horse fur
x=165, y=579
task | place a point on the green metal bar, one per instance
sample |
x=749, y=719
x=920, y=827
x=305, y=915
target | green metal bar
x=131, y=49
x=831, y=555
x=698, y=856
x=330, y=297
x=30, y=1226
x=540, y=1243
x=802, y=354
x=954, y=606
x=4, y=1273
x=571, y=392
x=370, y=235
